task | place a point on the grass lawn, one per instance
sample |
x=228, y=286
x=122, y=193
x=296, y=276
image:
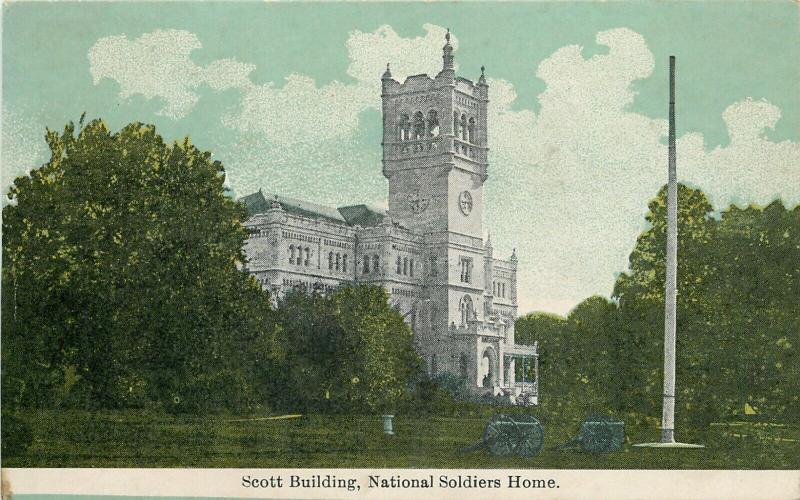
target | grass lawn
x=142, y=439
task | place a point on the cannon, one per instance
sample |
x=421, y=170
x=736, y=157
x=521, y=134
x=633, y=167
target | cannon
x=518, y=435
x=598, y=434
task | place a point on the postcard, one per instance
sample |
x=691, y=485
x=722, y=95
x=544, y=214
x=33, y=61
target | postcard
x=404, y=249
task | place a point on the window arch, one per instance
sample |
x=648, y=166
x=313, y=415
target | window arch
x=465, y=308
x=330, y=261
x=308, y=257
x=403, y=127
x=463, y=127
x=291, y=254
x=463, y=365
x=376, y=263
x=471, y=130
x=399, y=265
x=433, y=123
x=366, y=264
x=344, y=263
x=419, y=126
x=338, y=261
x=411, y=268
x=405, y=265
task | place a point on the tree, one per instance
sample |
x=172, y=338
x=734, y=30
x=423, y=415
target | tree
x=121, y=277
x=346, y=351
x=737, y=311
x=738, y=321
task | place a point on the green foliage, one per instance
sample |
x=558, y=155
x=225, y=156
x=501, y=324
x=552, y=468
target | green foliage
x=17, y=435
x=738, y=321
x=575, y=369
x=345, y=351
x=120, y=278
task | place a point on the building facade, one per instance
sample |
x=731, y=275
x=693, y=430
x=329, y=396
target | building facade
x=427, y=250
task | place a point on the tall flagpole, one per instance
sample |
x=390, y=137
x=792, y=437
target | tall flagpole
x=671, y=282
x=670, y=286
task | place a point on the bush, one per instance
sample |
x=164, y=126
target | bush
x=16, y=436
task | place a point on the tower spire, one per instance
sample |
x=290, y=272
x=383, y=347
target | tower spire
x=447, y=56
x=387, y=74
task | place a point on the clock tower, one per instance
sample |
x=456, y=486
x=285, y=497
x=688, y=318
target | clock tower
x=435, y=158
x=435, y=149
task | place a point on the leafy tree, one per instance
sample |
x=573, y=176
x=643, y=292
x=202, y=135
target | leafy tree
x=738, y=321
x=737, y=311
x=120, y=277
x=577, y=359
x=346, y=351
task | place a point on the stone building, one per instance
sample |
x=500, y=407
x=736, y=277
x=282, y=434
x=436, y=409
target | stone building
x=427, y=250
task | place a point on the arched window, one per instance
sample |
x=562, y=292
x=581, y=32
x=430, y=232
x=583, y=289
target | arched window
x=308, y=256
x=344, y=263
x=411, y=268
x=471, y=130
x=404, y=128
x=376, y=263
x=465, y=308
x=463, y=127
x=419, y=126
x=405, y=265
x=433, y=123
x=399, y=265
x=338, y=261
x=503, y=290
x=366, y=264
x=330, y=261
x=455, y=123
x=291, y=254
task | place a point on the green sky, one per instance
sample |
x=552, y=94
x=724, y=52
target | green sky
x=576, y=155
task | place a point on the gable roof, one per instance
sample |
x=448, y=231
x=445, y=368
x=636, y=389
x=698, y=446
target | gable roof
x=352, y=215
x=260, y=202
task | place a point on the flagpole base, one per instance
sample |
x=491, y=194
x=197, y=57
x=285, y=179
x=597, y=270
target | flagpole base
x=672, y=444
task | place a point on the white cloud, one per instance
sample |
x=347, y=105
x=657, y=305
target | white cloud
x=751, y=169
x=580, y=173
x=300, y=112
x=158, y=65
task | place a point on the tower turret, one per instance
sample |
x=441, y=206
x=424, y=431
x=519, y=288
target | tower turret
x=448, y=69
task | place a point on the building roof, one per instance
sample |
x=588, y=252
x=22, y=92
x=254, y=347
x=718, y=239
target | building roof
x=260, y=202
x=362, y=215
x=352, y=215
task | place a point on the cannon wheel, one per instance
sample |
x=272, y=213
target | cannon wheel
x=601, y=437
x=520, y=435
